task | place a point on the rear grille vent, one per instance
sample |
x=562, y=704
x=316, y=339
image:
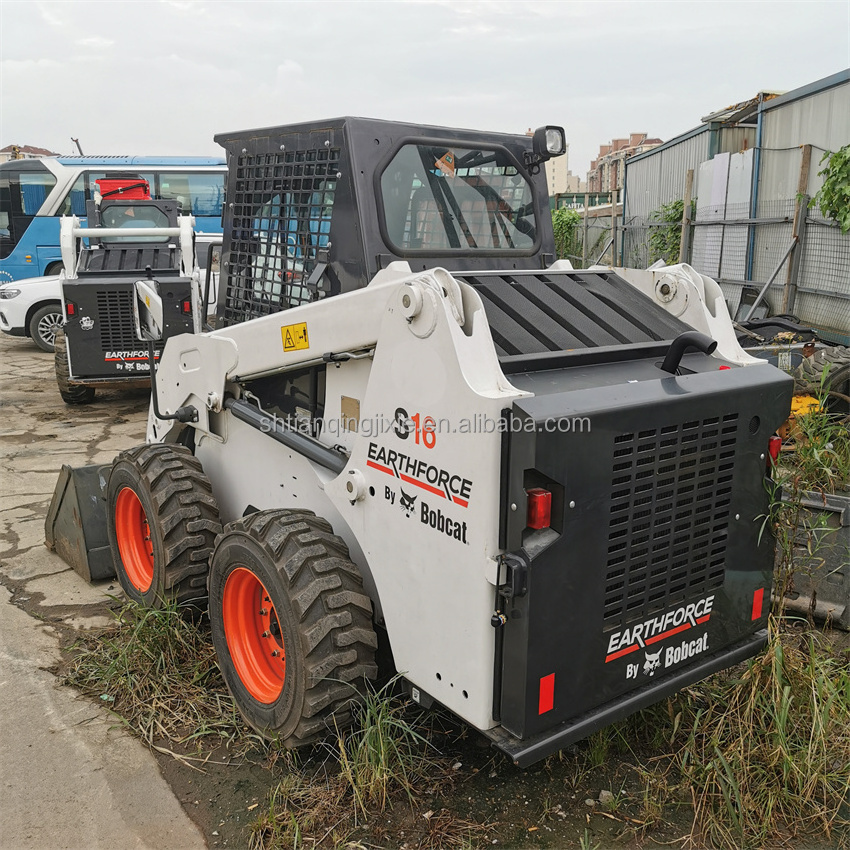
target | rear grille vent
x=117, y=327
x=668, y=526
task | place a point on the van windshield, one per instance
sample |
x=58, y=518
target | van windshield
x=441, y=199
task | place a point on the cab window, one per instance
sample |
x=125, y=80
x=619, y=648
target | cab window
x=445, y=199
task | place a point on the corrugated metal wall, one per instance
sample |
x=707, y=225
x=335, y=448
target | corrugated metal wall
x=806, y=116
x=822, y=120
x=659, y=177
x=737, y=139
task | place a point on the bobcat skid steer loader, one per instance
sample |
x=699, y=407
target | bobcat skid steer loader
x=543, y=490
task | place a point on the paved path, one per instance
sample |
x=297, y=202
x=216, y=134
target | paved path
x=68, y=778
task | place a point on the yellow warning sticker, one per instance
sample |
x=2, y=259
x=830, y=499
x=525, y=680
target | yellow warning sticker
x=295, y=337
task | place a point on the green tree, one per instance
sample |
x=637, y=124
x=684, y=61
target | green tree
x=833, y=198
x=565, y=223
x=664, y=240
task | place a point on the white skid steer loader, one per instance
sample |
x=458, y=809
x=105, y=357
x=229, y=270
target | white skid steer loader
x=543, y=490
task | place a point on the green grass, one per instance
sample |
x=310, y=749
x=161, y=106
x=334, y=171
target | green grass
x=762, y=751
x=384, y=757
x=156, y=669
x=383, y=752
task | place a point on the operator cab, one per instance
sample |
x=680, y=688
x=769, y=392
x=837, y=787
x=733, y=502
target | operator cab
x=318, y=209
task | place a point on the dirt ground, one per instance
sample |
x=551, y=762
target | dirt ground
x=553, y=804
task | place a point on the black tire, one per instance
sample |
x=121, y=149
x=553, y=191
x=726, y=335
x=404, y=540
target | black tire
x=162, y=490
x=71, y=393
x=44, y=324
x=809, y=376
x=54, y=268
x=319, y=622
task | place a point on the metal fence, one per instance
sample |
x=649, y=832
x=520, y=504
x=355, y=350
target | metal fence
x=592, y=242
x=788, y=257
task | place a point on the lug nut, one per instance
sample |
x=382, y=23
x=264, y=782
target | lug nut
x=264, y=611
x=267, y=634
x=275, y=653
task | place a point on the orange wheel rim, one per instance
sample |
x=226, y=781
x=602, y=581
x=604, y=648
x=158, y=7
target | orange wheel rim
x=134, y=539
x=253, y=634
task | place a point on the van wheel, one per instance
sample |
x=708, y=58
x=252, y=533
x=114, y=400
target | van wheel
x=71, y=393
x=162, y=520
x=291, y=625
x=44, y=324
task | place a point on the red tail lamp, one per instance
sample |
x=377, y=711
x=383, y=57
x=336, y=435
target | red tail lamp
x=539, y=508
x=186, y=307
x=774, y=446
x=70, y=309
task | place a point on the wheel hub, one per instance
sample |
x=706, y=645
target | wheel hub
x=133, y=535
x=253, y=634
x=48, y=326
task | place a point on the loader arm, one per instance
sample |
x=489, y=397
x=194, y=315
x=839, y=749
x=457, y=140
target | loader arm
x=196, y=369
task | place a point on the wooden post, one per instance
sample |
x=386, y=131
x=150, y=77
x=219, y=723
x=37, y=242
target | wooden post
x=789, y=295
x=613, y=227
x=685, y=238
x=584, y=234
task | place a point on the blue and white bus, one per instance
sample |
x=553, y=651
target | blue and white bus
x=34, y=193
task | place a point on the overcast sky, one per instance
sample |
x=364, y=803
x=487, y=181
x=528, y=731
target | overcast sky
x=163, y=76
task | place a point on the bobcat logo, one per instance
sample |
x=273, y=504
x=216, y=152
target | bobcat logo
x=408, y=503
x=652, y=663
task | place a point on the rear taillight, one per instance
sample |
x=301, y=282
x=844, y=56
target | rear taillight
x=186, y=307
x=774, y=446
x=539, y=508
x=70, y=309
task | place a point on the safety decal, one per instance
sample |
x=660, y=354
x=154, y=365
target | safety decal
x=446, y=164
x=419, y=473
x=295, y=337
x=658, y=628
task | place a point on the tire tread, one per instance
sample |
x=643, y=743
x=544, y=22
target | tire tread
x=335, y=616
x=187, y=515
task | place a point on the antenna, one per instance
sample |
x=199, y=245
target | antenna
x=77, y=143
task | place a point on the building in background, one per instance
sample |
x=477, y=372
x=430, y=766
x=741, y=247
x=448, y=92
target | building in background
x=24, y=152
x=608, y=169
